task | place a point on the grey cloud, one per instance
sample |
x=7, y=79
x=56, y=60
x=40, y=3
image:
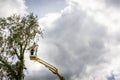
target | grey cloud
x=79, y=41
x=41, y=75
x=113, y=3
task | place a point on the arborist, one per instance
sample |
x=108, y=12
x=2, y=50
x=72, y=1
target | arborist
x=33, y=49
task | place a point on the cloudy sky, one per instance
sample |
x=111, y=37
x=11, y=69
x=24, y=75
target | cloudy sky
x=81, y=37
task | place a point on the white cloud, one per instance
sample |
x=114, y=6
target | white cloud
x=84, y=40
x=9, y=7
x=48, y=20
x=102, y=13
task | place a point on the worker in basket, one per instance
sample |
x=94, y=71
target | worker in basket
x=33, y=50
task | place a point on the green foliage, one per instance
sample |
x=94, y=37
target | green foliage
x=16, y=35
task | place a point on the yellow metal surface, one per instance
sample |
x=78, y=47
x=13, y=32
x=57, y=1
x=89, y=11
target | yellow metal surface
x=32, y=57
x=49, y=66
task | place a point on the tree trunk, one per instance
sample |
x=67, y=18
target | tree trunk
x=21, y=68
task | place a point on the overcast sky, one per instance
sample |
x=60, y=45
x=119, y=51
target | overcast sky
x=81, y=37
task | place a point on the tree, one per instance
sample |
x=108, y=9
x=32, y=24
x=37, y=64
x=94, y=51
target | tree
x=16, y=35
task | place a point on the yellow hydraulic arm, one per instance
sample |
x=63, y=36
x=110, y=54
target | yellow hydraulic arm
x=50, y=67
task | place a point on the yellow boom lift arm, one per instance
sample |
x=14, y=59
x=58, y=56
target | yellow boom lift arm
x=49, y=66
